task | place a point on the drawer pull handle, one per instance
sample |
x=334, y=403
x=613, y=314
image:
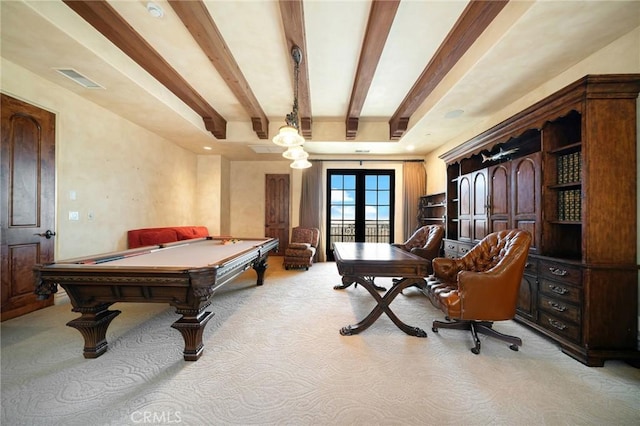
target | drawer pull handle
x=558, y=290
x=557, y=324
x=557, y=307
x=558, y=272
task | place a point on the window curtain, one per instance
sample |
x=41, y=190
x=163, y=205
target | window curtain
x=311, y=204
x=415, y=185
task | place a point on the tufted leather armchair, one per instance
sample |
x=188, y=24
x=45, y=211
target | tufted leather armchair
x=482, y=286
x=302, y=249
x=425, y=242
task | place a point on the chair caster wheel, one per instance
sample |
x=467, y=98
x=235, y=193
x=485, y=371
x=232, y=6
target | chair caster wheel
x=475, y=350
x=514, y=347
x=434, y=329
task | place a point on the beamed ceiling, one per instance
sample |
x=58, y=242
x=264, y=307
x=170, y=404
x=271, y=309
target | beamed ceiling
x=389, y=78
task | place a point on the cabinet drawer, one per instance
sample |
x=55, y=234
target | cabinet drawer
x=451, y=246
x=464, y=249
x=451, y=254
x=560, y=309
x=560, y=291
x=559, y=326
x=561, y=272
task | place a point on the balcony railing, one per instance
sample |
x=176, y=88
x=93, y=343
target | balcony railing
x=374, y=232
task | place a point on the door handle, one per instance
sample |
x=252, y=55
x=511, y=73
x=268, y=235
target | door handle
x=48, y=234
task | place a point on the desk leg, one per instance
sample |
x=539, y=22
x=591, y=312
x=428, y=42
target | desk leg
x=191, y=326
x=383, y=306
x=93, y=324
x=347, y=281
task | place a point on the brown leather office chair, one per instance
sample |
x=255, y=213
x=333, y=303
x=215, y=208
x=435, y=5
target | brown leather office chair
x=425, y=242
x=302, y=249
x=482, y=286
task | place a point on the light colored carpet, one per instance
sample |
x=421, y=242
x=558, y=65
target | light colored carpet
x=274, y=355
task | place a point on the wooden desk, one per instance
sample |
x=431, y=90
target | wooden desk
x=184, y=274
x=360, y=263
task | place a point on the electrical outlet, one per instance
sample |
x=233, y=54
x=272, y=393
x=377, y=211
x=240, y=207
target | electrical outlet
x=74, y=216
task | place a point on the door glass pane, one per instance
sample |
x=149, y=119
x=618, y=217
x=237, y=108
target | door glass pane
x=342, y=208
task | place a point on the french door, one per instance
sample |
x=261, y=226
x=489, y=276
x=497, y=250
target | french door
x=360, y=206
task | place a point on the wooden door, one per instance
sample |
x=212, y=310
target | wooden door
x=276, y=214
x=28, y=202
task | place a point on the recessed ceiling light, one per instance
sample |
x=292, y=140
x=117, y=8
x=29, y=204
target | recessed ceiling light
x=410, y=148
x=155, y=10
x=207, y=148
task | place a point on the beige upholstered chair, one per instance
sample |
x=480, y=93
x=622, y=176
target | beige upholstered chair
x=482, y=286
x=425, y=242
x=302, y=249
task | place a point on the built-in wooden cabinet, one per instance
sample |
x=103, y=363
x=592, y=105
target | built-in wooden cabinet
x=432, y=209
x=472, y=210
x=564, y=170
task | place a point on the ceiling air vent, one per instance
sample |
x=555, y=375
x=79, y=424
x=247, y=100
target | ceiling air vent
x=78, y=78
x=266, y=149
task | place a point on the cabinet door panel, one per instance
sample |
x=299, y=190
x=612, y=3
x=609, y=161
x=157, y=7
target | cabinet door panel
x=526, y=178
x=527, y=297
x=479, y=194
x=499, y=197
x=465, y=195
x=464, y=212
x=499, y=225
x=465, y=229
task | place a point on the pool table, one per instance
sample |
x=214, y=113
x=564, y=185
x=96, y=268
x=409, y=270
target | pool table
x=184, y=274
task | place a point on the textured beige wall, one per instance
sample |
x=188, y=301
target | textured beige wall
x=620, y=57
x=247, y=192
x=125, y=175
x=212, y=197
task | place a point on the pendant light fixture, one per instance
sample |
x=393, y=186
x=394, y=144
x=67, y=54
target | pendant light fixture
x=289, y=135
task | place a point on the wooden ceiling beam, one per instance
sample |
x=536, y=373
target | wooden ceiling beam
x=195, y=16
x=113, y=26
x=381, y=17
x=475, y=18
x=292, y=13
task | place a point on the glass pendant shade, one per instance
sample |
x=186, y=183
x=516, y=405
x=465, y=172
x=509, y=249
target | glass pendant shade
x=295, y=153
x=288, y=136
x=301, y=164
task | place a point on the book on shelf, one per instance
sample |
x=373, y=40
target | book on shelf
x=569, y=168
x=569, y=205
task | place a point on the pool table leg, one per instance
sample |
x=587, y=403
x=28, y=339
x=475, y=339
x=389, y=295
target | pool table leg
x=93, y=324
x=192, y=325
x=260, y=266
